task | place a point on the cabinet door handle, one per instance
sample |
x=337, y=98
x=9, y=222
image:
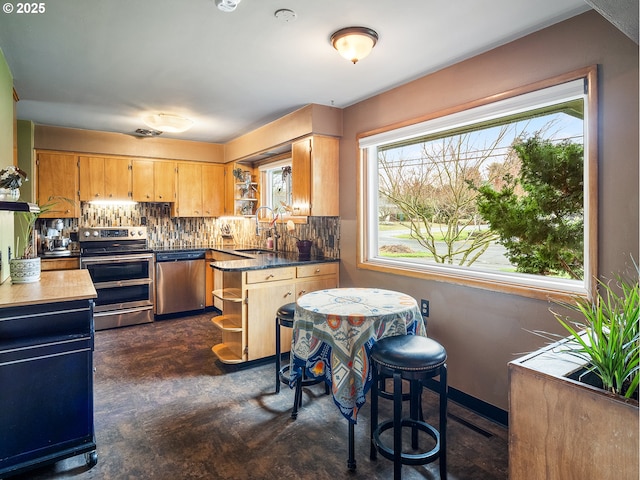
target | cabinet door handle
x=288, y=294
x=269, y=276
x=303, y=292
x=317, y=270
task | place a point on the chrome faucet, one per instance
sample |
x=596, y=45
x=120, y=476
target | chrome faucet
x=272, y=225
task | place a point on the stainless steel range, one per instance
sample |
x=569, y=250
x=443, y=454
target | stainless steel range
x=121, y=266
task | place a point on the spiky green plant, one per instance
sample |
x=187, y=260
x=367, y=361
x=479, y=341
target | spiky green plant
x=607, y=335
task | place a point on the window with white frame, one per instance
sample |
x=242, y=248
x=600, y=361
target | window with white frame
x=276, y=181
x=495, y=196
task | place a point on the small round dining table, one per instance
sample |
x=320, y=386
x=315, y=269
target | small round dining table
x=333, y=332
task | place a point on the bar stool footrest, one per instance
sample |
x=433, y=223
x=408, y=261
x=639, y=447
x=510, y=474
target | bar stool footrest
x=408, y=458
x=283, y=374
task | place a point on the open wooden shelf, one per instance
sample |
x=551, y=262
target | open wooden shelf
x=228, y=323
x=225, y=353
x=228, y=294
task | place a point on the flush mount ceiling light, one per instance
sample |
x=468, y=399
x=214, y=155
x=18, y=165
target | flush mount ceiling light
x=165, y=122
x=354, y=43
x=227, y=5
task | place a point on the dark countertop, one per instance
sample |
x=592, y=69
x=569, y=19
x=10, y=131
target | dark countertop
x=251, y=261
x=268, y=260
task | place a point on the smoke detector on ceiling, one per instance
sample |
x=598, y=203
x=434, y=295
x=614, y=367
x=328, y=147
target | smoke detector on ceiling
x=227, y=5
x=285, y=15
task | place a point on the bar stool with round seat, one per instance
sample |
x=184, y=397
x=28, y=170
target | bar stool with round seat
x=413, y=358
x=284, y=318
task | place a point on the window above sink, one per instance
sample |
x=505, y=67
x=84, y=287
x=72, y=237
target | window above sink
x=275, y=179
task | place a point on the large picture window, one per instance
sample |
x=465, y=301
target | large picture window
x=501, y=195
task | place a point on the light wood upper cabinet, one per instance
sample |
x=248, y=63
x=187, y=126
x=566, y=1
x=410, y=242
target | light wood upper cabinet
x=213, y=190
x=189, y=202
x=164, y=179
x=142, y=181
x=105, y=178
x=200, y=190
x=314, y=176
x=57, y=176
x=153, y=180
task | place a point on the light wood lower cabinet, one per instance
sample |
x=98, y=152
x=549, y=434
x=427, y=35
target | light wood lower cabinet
x=71, y=263
x=250, y=300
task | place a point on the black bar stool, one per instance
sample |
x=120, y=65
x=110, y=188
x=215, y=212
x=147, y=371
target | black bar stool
x=284, y=318
x=413, y=358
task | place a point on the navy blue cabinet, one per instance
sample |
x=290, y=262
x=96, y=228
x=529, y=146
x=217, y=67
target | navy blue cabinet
x=46, y=385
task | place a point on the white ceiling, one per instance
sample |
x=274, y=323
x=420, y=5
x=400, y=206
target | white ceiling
x=101, y=64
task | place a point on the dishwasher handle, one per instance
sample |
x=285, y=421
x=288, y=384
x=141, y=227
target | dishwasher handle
x=180, y=256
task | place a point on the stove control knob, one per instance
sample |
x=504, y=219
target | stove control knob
x=140, y=233
x=96, y=233
x=87, y=233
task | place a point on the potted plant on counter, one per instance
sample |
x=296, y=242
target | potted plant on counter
x=25, y=266
x=573, y=405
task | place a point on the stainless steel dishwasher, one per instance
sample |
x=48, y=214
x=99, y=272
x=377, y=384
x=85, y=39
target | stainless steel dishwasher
x=180, y=281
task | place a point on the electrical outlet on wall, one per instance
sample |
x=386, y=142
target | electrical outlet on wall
x=424, y=307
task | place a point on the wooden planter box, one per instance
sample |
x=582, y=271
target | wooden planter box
x=563, y=429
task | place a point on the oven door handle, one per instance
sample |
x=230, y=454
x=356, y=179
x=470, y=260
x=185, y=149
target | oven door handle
x=123, y=283
x=116, y=259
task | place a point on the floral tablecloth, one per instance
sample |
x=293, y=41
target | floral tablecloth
x=334, y=331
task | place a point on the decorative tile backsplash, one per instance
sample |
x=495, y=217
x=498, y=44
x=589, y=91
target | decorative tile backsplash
x=166, y=231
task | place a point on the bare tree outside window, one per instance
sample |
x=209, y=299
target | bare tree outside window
x=429, y=189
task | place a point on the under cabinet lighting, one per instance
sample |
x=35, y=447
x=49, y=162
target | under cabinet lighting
x=112, y=203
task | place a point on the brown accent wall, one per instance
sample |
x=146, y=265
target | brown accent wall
x=482, y=330
x=108, y=143
x=312, y=118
